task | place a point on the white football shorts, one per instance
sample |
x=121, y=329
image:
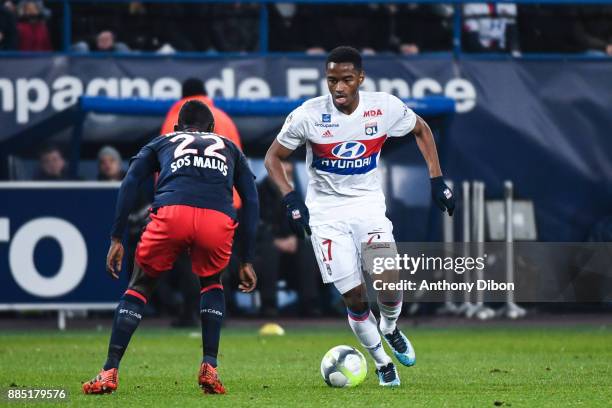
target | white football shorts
x=338, y=249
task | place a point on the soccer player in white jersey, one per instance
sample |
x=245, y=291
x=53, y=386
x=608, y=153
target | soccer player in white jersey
x=345, y=206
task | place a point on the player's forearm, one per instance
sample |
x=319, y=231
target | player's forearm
x=273, y=163
x=128, y=194
x=277, y=174
x=249, y=216
x=427, y=146
x=125, y=201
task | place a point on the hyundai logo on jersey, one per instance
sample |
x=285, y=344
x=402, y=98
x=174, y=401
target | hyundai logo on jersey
x=326, y=118
x=348, y=157
x=349, y=150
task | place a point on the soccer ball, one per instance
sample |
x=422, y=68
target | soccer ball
x=343, y=366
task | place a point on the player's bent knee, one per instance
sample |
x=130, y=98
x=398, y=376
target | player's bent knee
x=145, y=289
x=206, y=281
x=141, y=282
x=356, y=293
x=355, y=299
x=358, y=307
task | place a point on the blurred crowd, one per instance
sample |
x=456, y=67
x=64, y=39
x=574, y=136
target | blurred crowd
x=407, y=29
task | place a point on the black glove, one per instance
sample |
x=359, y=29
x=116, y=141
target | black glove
x=297, y=213
x=442, y=195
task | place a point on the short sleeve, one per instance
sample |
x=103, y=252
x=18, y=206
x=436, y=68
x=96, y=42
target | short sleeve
x=402, y=118
x=293, y=133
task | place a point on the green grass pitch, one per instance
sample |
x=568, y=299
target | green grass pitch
x=481, y=367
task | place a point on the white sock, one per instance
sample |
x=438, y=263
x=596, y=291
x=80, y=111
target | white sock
x=364, y=327
x=389, y=312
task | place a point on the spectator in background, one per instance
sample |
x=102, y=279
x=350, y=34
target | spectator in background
x=32, y=27
x=490, y=27
x=10, y=6
x=280, y=254
x=547, y=28
x=235, y=27
x=327, y=26
x=164, y=27
x=104, y=42
x=192, y=26
x=51, y=165
x=137, y=32
x=8, y=29
x=109, y=165
x=285, y=32
x=593, y=29
x=420, y=27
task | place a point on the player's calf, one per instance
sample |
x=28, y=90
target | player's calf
x=364, y=326
x=127, y=318
x=212, y=311
x=399, y=343
x=363, y=323
x=389, y=313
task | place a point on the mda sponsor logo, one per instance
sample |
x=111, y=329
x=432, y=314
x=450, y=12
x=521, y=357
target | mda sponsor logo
x=372, y=113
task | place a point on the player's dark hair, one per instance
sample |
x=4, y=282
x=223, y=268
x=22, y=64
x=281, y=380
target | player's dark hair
x=193, y=87
x=345, y=54
x=195, y=115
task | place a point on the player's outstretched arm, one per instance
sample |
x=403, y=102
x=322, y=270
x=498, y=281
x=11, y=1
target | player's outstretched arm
x=297, y=212
x=427, y=146
x=244, y=181
x=139, y=170
x=440, y=193
x=273, y=162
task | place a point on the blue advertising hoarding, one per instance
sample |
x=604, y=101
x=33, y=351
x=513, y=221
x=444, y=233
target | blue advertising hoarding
x=53, y=242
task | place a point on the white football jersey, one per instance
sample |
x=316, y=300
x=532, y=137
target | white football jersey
x=343, y=152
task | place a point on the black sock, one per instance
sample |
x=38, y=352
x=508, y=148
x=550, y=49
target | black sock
x=127, y=317
x=212, y=309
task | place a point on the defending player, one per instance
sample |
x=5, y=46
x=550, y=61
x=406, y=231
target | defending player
x=192, y=210
x=345, y=206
